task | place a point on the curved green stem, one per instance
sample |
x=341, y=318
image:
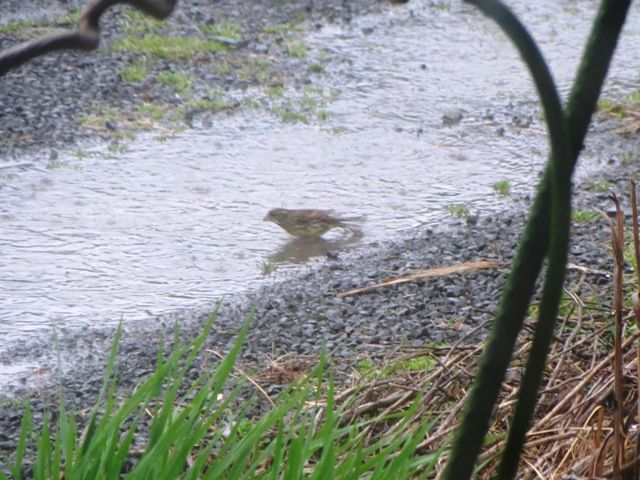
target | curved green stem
x=552, y=291
x=499, y=349
x=533, y=246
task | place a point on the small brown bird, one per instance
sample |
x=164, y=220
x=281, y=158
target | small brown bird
x=309, y=223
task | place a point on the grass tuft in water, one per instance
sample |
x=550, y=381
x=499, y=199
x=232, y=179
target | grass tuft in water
x=502, y=188
x=458, y=210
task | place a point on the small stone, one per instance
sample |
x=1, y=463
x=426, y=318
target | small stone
x=472, y=220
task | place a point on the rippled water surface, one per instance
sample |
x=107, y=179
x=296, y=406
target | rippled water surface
x=178, y=223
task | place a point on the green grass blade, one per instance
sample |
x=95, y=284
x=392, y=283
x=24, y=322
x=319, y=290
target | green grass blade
x=43, y=460
x=278, y=453
x=26, y=427
x=163, y=419
x=157, y=459
x=325, y=468
x=106, y=385
x=295, y=460
x=67, y=434
x=120, y=456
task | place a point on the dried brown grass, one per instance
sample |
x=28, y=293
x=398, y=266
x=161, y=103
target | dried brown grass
x=574, y=419
x=572, y=432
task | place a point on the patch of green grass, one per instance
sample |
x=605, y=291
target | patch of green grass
x=367, y=368
x=223, y=68
x=217, y=104
x=73, y=17
x=502, y=187
x=164, y=137
x=566, y=307
x=145, y=116
x=116, y=147
x=268, y=267
x=152, y=110
x=629, y=253
x=100, y=114
x=422, y=363
x=611, y=108
x=136, y=22
x=458, y=210
x=323, y=115
x=134, y=73
x=233, y=31
x=620, y=109
x=251, y=102
x=442, y=5
x=180, y=82
x=600, y=186
x=584, y=216
x=168, y=47
x=255, y=69
x=571, y=10
x=281, y=29
x=627, y=158
x=19, y=25
x=310, y=103
x=288, y=115
x=365, y=365
x=296, y=49
x=275, y=90
x=54, y=164
x=303, y=109
x=316, y=67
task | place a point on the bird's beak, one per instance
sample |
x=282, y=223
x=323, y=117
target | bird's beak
x=267, y=217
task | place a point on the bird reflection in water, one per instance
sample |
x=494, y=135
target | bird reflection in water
x=300, y=250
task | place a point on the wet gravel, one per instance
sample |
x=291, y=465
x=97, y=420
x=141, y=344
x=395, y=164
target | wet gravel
x=302, y=314
x=42, y=104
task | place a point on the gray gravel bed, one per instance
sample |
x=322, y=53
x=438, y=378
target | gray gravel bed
x=41, y=103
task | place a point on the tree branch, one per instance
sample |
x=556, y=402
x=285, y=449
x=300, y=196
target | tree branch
x=86, y=38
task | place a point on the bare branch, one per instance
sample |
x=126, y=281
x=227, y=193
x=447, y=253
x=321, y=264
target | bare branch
x=87, y=37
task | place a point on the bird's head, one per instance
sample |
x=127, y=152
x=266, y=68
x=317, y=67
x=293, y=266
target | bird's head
x=276, y=215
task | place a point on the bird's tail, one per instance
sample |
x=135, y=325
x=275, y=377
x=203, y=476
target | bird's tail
x=360, y=218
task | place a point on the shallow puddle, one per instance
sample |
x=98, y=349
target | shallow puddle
x=433, y=108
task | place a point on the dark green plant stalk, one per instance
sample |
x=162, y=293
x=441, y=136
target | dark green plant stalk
x=533, y=246
x=500, y=347
x=591, y=75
